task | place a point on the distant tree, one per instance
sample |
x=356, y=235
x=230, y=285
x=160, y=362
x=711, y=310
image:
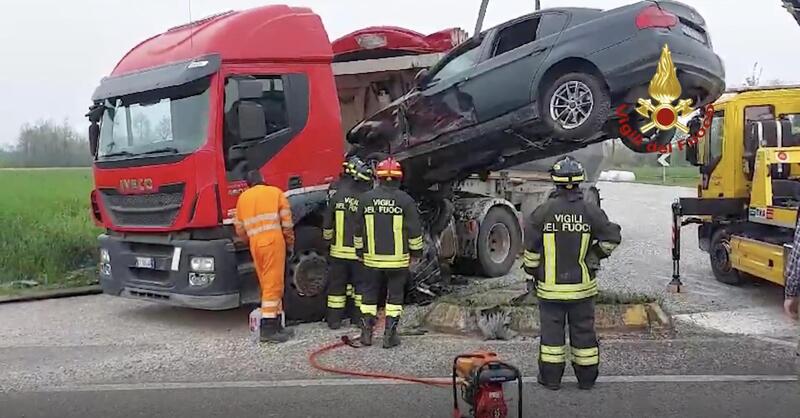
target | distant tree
x=164, y=129
x=47, y=144
x=754, y=79
x=775, y=82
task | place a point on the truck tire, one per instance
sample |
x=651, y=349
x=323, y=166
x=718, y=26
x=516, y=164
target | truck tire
x=499, y=242
x=719, y=255
x=575, y=106
x=305, y=287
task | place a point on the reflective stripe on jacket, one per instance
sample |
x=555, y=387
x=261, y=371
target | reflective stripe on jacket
x=341, y=217
x=389, y=228
x=561, y=235
x=263, y=211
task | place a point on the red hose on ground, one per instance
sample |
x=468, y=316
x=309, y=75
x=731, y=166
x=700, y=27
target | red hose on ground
x=312, y=358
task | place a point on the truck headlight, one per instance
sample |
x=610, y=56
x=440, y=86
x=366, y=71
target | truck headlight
x=202, y=263
x=105, y=258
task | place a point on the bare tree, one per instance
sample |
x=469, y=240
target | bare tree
x=754, y=79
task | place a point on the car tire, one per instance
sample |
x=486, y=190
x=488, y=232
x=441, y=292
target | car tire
x=719, y=255
x=308, y=261
x=559, y=97
x=636, y=121
x=499, y=242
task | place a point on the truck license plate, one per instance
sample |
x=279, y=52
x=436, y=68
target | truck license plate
x=145, y=262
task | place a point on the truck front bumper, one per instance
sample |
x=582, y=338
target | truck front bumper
x=157, y=269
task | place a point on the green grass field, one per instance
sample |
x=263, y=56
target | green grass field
x=676, y=176
x=46, y=229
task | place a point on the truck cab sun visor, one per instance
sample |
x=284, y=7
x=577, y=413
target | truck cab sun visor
x=170, y=75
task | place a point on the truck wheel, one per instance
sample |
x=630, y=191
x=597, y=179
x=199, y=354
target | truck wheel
x=575, y=106
x=720, y=255
x=304, y=297
x=499, y=242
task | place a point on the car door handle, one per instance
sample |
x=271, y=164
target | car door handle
x=538, y=50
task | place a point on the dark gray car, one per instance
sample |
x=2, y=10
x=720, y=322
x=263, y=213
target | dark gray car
x=538, y=86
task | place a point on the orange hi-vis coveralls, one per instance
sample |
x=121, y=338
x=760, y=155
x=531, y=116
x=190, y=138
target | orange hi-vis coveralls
x=264, y=218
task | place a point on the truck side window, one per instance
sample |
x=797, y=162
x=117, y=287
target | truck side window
x=757, y=113
x=715, y=134
x=516, y=35
x=272, y=101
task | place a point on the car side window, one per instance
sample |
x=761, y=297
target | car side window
x=515, y=36
x=550, y=24
x=459, y=64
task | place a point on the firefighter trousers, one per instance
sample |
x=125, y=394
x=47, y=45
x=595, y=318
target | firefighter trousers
x=583, y=341
x=375, y=280
x=269, y=258
x=344, y=285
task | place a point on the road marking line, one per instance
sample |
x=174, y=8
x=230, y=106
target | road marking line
x=370, y=382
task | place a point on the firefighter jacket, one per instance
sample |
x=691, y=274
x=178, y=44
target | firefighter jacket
x=565, y=238
x=389, y=228
x=340, y=218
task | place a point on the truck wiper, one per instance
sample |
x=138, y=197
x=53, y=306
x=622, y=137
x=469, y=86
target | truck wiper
x=172, y=150
x=119, y=154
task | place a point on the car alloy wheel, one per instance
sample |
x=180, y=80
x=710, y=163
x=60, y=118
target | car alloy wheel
x=571, y=104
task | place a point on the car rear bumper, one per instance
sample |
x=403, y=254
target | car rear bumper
x=168, y=279
x=628, y=70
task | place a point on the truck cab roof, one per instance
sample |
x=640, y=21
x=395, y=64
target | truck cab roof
x=275, y=33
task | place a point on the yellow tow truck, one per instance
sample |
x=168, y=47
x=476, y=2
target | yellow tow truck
x=748, y=153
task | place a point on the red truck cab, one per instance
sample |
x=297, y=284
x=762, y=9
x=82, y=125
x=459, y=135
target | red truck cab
x=184, y=116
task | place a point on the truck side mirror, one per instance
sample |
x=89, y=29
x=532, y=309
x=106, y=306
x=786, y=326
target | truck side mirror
x=94, y=138
x=421, y=77
x=692, y=153
x=252, y=124
x=249, y=89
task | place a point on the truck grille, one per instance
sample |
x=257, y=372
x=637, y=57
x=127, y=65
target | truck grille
x=152, y=209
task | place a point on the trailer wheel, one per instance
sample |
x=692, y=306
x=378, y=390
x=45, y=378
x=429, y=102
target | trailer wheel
x=720, y=255
x=499, y=242
x=576, y=105
x=304, y=296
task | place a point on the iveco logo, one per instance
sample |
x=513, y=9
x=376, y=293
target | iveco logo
x=136, y=185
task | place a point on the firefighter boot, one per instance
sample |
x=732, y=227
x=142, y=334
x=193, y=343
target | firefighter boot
x=334, y=318
x=390, y=337
x=367, y=323
x=355, y=316
x=272, y=331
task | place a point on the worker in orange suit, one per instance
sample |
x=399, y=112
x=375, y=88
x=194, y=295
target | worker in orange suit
x=264, y=219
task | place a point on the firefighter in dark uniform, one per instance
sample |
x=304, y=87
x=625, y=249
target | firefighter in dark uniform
x=338, y=230
x=388, y=235
x=565, y=238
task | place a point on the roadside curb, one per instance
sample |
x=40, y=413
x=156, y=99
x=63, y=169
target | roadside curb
x=458, y=319
x=53, y=294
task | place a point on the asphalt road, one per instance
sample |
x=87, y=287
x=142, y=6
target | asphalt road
x=694, y=399
x=58, y=357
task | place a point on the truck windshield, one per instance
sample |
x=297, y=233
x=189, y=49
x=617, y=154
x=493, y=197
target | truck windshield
x=169, y=121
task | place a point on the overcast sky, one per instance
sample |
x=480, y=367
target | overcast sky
x=54, y=52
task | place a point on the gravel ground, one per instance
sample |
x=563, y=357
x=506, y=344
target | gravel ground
x=103, y=339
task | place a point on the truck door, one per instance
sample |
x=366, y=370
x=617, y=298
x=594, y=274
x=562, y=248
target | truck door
x=711, y=148
x=502, y=82
x=440, y=105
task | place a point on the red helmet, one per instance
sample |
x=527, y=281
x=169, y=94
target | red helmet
x=389, y=169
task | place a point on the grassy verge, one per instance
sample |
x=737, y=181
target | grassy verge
x=47, y=231
x=675, y=176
